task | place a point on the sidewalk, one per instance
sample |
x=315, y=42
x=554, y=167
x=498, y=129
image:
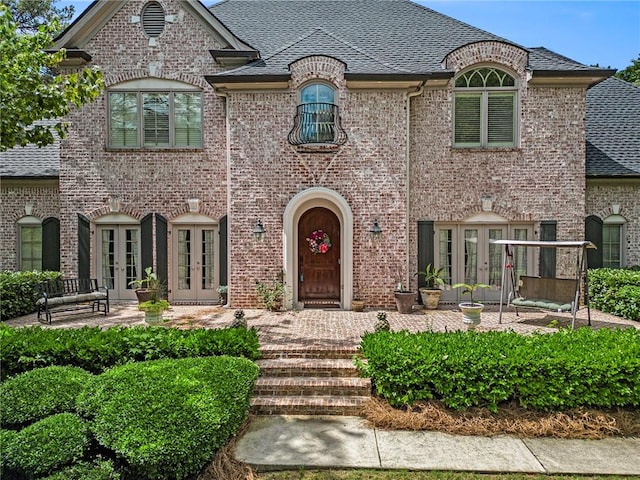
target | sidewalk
x=293, y=442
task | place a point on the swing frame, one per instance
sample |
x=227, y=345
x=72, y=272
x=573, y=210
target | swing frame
x=545, y=303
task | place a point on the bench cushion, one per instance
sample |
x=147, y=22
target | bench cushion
x=541, y=303
x=66, y=300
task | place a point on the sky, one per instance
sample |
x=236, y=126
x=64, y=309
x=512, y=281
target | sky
x=602, y=32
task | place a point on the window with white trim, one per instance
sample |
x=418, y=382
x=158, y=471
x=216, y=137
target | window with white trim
x=30, y=243
x=155, y=119
x=612, y=235
x=485, y=109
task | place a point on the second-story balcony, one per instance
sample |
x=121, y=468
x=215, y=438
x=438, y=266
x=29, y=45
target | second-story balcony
x=317, y=123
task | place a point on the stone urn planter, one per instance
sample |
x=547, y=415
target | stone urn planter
x=430, y=297
x=471, y=314
x=357, y=305
x=404, y=300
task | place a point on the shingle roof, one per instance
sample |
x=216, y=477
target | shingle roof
x=370, y=36
x=31, y=161
x=613, y=129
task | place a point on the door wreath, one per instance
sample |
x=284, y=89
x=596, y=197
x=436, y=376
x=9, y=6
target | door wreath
x=319, y=242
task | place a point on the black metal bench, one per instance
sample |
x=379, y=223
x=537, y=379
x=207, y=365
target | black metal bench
x=71, y=294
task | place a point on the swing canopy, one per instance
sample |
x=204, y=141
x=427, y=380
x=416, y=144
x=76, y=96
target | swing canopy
x=556, y=294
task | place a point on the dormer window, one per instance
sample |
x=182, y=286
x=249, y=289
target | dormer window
x=485, y=113
x=317, y=120
x=153, y=19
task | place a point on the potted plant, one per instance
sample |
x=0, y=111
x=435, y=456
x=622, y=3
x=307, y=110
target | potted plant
x=404, y=299
x=153, y=310
x=147, y=288
x=271, y=295
x=471, y=310
x=223, y=290
x=432, y=290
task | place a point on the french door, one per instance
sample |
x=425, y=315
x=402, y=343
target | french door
x=467, y=255
x=118, y=259
x=194, y=266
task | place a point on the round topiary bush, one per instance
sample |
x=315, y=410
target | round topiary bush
x=39, y=393
x=45, y=446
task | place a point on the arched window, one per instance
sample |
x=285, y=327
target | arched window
x=318, y=115
x=485, y=109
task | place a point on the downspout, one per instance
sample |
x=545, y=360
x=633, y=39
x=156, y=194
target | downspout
x=409, y=96
x=225, y=96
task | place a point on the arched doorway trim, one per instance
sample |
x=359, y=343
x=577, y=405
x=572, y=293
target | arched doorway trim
x=300, y=203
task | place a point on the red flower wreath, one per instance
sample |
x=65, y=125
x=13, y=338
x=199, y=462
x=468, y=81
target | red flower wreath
x=319, y=242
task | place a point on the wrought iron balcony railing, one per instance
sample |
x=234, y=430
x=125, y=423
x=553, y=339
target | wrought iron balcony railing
x=317, y=123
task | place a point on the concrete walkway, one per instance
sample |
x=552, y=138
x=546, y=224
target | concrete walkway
x=290, y=442
x=293, y=442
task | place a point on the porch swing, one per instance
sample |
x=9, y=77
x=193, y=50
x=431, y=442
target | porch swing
x=545, y=293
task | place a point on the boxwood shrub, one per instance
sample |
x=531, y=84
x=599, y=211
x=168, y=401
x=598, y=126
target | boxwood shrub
x=39, y=393
x=166, y=418
x=542, y=371
x=616, y=291
x=44, y=447
x=95, y=350
x=101, y=470
x=18, y=292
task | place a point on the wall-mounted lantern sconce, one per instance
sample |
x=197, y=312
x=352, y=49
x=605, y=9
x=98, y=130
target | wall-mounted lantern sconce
x=259, y=231
x=375, y=232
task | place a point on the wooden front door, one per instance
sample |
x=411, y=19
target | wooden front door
x=319, y=257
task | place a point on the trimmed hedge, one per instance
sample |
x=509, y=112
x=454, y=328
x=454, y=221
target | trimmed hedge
x=95, y=350
x=616, y=291
x=542, y=371
x=17, y=292
x=45, y=446
x=166, y=418
x=102, y=470
x=39, y=393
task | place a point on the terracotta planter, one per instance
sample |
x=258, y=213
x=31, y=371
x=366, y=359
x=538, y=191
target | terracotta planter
x=145, y=294
x=430, y=297
x=357, y=305
x=471, y=314
x=405, y=301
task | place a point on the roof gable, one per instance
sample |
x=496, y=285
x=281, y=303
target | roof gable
x=95, y=17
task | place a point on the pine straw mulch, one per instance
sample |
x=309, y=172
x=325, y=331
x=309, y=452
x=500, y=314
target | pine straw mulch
x=511, y=419
x=226, y=466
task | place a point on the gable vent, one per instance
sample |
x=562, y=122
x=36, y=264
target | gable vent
x=153, y=19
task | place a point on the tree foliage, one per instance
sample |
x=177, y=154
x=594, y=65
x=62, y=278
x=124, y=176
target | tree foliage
x=631, y=74
x=32, y=14
x=28, y=93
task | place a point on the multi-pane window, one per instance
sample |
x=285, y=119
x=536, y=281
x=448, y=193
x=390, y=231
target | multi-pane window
x=611, y=248
x=30, y=241
x=485, y=109
x=155, y=119
x=317, y=101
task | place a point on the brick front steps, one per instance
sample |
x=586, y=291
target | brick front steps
x=309, y=381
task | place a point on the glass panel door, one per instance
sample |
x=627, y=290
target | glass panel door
x=195, y=268
x=118, y=257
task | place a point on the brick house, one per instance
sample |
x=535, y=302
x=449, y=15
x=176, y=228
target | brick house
x=259, y=138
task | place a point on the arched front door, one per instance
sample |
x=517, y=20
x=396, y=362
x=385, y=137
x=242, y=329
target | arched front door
x=319, y=256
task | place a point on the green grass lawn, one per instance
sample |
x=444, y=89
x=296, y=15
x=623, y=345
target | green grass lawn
x=430, y=475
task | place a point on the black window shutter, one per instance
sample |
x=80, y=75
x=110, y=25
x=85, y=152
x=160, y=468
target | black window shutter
x=162, y=260
x=426, y=249
x=223, y=251
x=593, y=233
x=51, y=244
x=548, y=232
x=146, y=242
x=84, y=250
